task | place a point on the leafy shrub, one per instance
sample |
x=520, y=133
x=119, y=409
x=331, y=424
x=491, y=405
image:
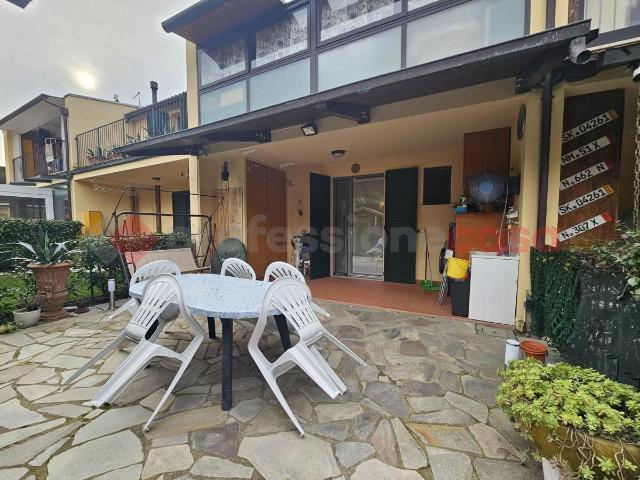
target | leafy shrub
x=584, y=401
x=13, y=230
x=167, y=241
x=621, y=255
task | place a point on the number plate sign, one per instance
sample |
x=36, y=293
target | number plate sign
x=585, y=199
x=585, y=226
x=585, y=174
x=585, y=150
x=589, y=125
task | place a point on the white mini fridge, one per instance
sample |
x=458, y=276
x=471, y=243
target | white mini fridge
x=494, y=287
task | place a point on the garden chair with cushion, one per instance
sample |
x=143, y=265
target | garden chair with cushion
x=293, y=298
x=147, y=272
x=160, y=293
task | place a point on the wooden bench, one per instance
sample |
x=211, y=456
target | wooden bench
x=183, y=257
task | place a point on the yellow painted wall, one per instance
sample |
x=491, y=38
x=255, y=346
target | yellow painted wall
x=527, y=165
x=192, y=85
x=436, y=218
x=562, y=12
x=538, y=20
x=86, y=114
x=8, y=155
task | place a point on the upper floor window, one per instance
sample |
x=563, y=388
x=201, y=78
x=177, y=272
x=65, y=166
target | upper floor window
x=222, y=61
x=342, y=16
x=413, y=4
x=282, y=39
x=610, y=15
x=463, y=28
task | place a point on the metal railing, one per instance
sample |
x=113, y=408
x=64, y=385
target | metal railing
x=31, y=165
x=18, y=169
x=101, y=144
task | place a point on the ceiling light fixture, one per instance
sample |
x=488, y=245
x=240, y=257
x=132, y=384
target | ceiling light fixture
x=309, y=130
x=338, y=153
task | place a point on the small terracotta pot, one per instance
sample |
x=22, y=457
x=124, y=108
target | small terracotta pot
x=52, y=288
x=533, y=349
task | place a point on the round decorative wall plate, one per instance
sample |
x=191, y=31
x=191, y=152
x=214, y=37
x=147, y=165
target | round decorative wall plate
x=522, y=121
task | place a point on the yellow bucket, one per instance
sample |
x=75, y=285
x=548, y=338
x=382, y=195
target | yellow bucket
x=457, y=268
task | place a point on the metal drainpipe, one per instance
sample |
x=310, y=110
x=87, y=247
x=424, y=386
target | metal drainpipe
x=545, y=153
x=65, y=126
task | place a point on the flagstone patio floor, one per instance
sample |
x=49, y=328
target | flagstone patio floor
x=424, y=408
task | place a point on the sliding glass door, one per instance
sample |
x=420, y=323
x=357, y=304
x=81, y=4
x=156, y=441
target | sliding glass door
x=359, y=226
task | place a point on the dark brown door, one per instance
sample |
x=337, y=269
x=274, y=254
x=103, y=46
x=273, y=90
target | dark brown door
x=29, y=158
x=266, y=216
x=486, y=150
x=277, y=215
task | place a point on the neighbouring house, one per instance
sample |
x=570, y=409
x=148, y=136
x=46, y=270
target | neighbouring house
x=39, y=147
x=363, y=122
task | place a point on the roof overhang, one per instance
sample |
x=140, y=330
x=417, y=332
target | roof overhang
x=38, y=111
x=211, y=18
x=506, y=60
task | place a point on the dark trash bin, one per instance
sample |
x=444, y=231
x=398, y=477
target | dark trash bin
x=459, y=290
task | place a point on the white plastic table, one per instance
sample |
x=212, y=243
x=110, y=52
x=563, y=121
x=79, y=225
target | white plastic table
x=226, y=298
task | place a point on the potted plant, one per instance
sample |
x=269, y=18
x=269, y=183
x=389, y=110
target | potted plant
x=28, y=313
x=581, y=421
x=49, y=262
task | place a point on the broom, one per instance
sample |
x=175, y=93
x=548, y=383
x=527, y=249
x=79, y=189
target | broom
x=427, y=283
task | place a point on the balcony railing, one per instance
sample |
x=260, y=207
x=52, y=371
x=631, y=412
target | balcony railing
x=101, y=144
x=38, y=165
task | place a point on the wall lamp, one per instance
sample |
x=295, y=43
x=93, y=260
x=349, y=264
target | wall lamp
x=309, y=130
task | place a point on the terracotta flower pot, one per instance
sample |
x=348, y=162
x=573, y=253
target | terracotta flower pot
x=51, y=281
x=533, y=349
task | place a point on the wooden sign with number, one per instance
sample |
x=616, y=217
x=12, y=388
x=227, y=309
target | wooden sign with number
x=590, y=162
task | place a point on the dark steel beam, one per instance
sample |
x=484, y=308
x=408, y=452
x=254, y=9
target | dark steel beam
x=617, y=57
x=357, y=113
x=260, y=136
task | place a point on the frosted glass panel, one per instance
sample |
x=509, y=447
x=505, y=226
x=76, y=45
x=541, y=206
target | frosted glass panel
x=222, y=62
x=366, y=58
x=464, y=28
x=342, y=16
x=610, y=15
x=282, y=39
x=281, y=84
x=413, y=4
x=223, y=103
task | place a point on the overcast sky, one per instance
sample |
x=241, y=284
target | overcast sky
x=90, y=47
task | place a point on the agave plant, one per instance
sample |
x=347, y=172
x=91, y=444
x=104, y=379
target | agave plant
x=45, y=252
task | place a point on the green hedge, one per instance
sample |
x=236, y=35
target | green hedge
x=25, y=230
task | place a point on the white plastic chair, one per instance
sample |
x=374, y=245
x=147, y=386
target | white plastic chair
x=235, y=267
x=147, y=272
x=293, y=298
x=162, y=292
x=278, y=270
